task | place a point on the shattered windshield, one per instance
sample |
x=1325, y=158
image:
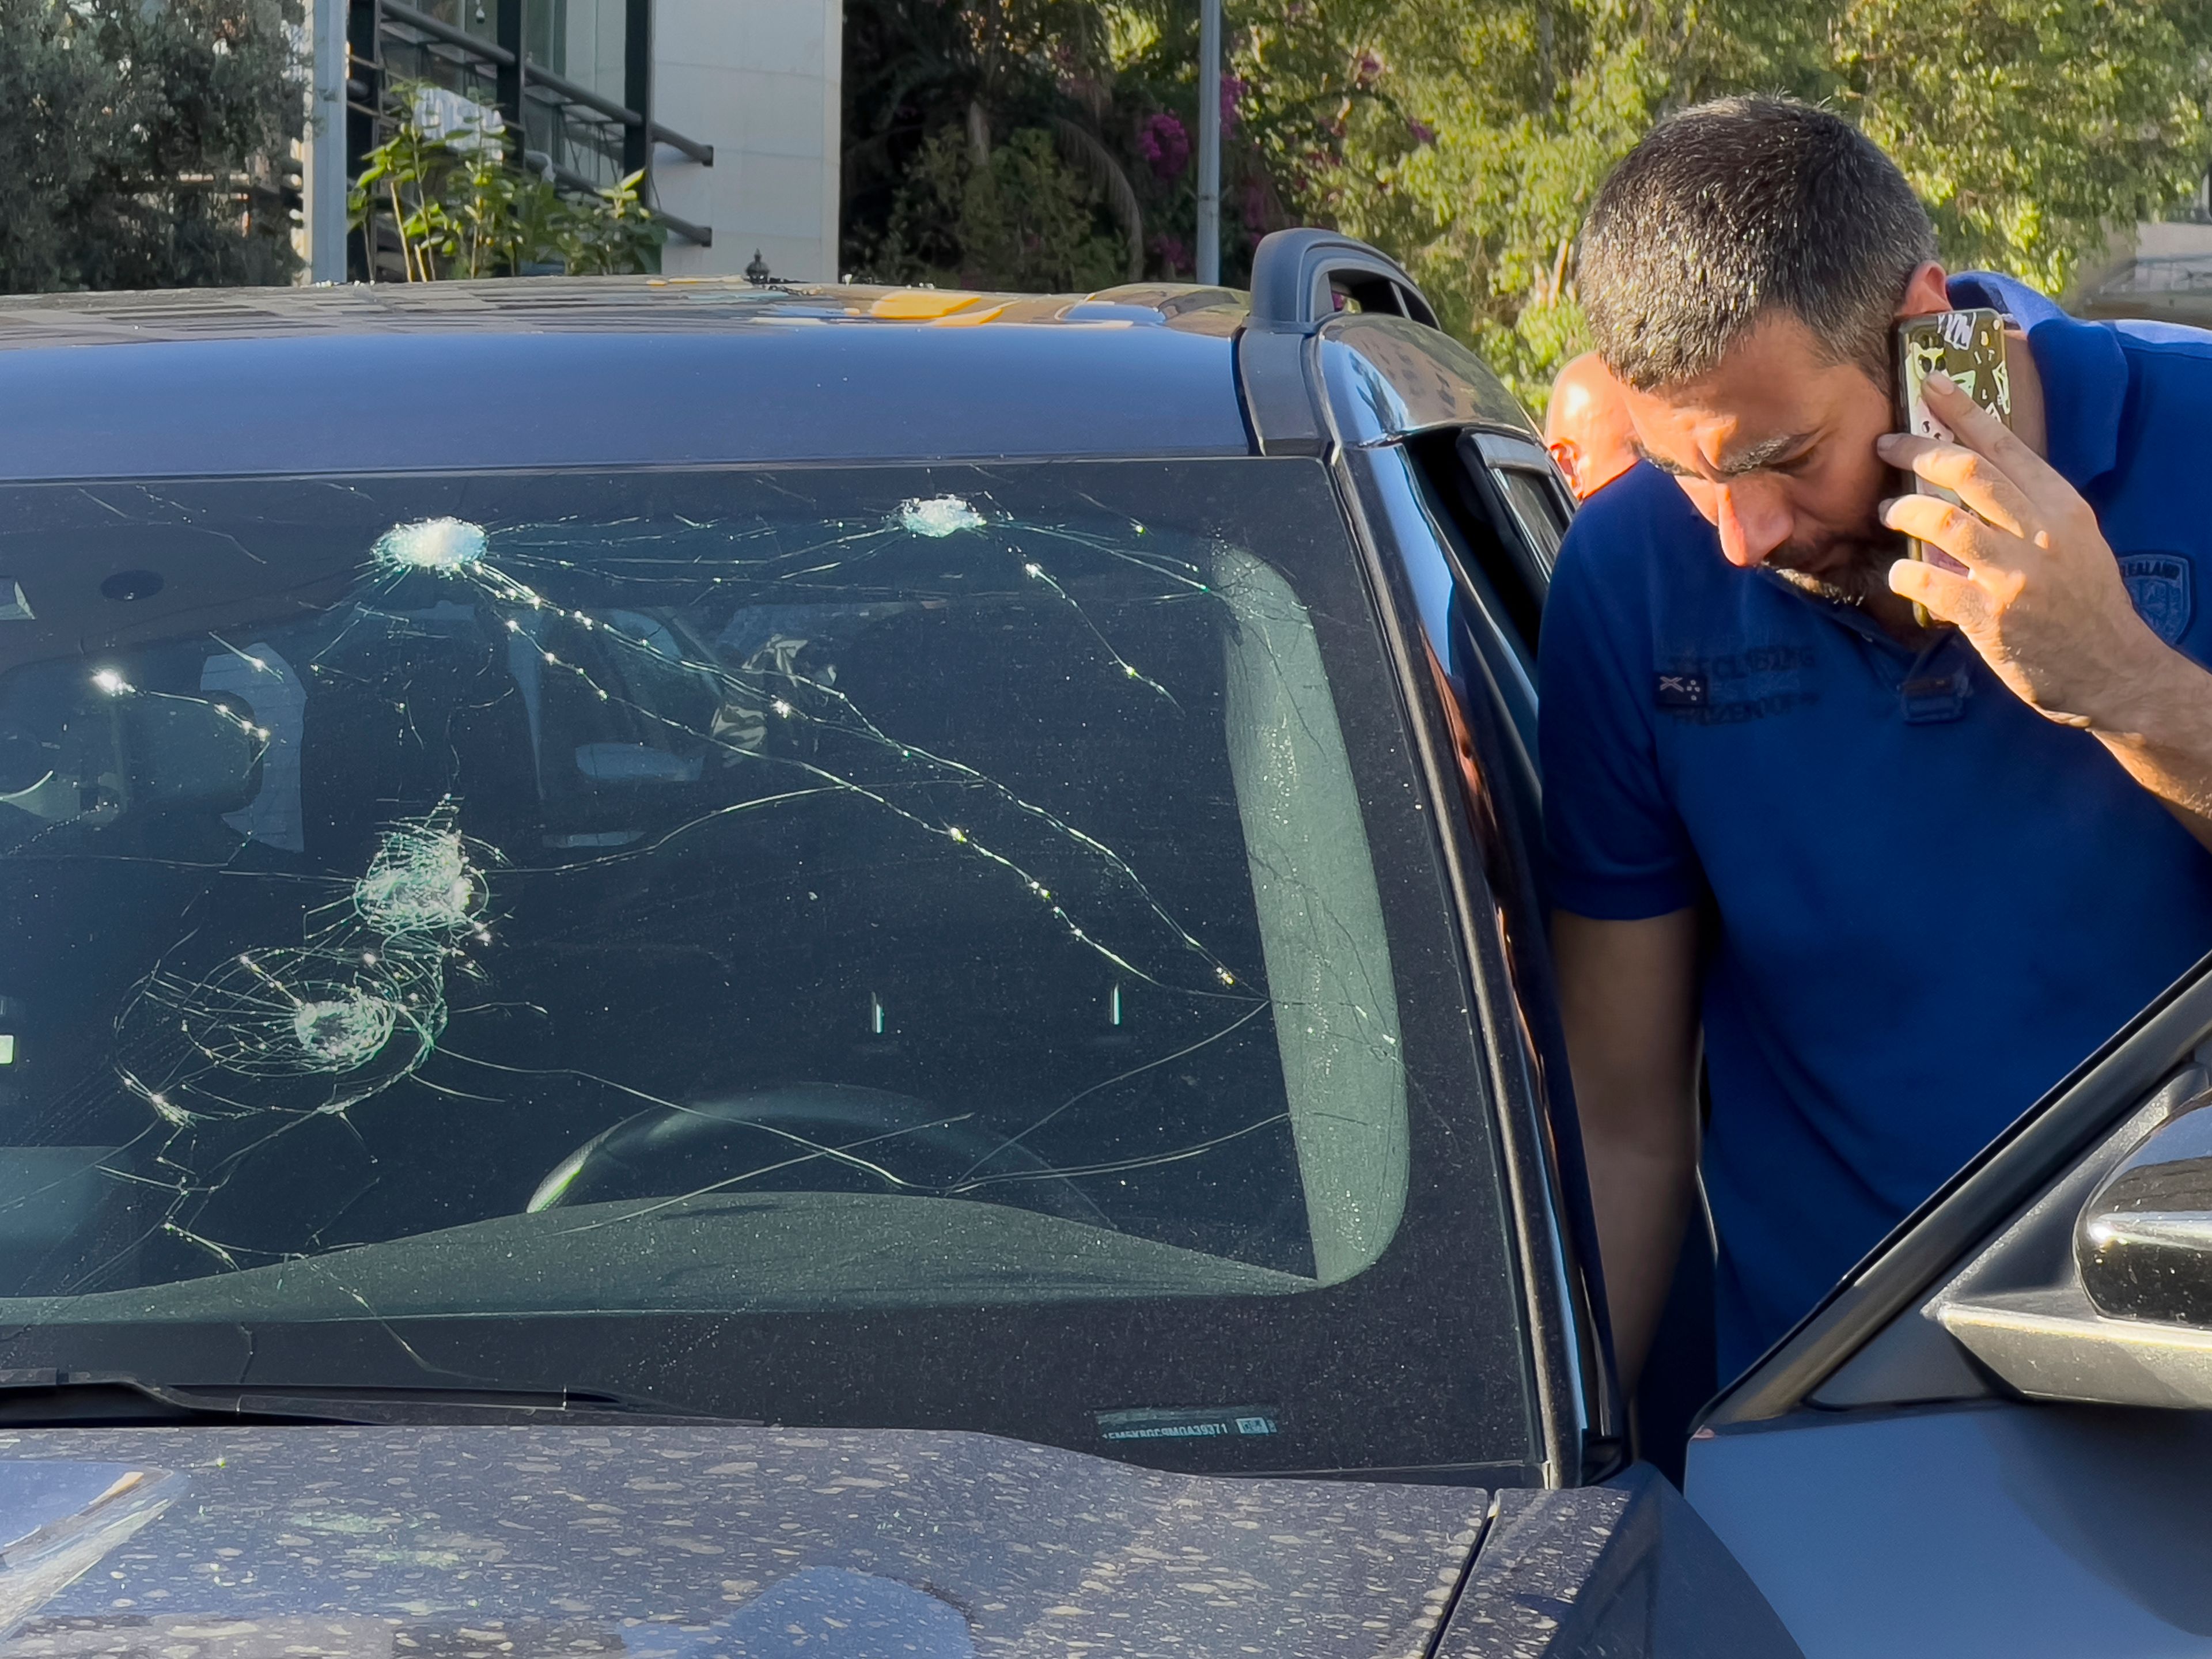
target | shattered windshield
x=430, y=897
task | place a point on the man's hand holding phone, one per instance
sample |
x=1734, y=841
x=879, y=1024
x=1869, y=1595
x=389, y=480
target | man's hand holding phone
x=2039, y=596
x=2039, y=593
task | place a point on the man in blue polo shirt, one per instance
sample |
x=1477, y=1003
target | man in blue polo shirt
x=1904, y=879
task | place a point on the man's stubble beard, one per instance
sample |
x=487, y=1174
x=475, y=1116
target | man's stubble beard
x=1861, y=575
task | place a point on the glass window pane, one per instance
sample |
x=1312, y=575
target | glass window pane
x=1535, y=510
x=739, y=865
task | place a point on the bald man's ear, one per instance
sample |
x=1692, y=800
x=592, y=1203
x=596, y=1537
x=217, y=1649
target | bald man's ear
x=1928, y=290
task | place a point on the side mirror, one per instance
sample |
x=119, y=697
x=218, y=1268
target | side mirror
x=2144, y=1241
x=2100, y=1292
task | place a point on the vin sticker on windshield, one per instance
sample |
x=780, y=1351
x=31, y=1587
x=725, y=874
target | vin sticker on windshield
x=1188, y=1422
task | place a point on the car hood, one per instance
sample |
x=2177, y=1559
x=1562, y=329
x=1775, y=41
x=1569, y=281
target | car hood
x=685, y=1543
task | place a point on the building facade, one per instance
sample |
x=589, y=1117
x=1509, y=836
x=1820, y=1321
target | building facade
x=729, y=107
x=762, y=80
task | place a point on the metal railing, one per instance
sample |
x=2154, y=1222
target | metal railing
x=536, y=74
x=2161, y=273
x=517, y=78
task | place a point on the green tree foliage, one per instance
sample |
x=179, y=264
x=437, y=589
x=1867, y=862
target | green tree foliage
x=2033, y=127
x=1012, y=143
x=1464, y=136
x=1016, y=217
x=145, y=142
x=1467, y=137
x=463, y=208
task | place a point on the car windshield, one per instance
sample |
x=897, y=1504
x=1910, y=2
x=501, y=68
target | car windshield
x=892, y=944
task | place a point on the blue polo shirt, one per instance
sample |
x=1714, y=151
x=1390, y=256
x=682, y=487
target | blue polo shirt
x=1712, y=737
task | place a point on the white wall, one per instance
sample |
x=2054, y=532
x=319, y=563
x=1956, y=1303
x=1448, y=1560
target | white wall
x=761, y=81
x=593, y=49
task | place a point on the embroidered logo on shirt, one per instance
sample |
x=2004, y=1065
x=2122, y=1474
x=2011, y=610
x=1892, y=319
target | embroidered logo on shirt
x=2160, y=585
x=1741, y=685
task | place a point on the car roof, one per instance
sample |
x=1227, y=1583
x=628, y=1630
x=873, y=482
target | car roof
x=548, y=372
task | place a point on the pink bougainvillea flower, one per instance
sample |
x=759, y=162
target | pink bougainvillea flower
x=1166, y=146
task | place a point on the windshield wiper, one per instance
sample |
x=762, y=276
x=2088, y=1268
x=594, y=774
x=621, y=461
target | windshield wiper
x=116, y=1399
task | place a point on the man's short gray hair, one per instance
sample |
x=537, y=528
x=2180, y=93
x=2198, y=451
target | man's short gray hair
x=1741, y=208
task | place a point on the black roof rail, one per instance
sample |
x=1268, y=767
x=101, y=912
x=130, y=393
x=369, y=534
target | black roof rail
x=1300, y=279
x=1303, y=278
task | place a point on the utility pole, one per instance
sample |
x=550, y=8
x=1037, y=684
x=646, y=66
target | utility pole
x=1209, y=142
x=637, y=90
x=508, y=26
x=323, y=172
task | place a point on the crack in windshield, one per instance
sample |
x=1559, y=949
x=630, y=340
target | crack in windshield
x=757, y=679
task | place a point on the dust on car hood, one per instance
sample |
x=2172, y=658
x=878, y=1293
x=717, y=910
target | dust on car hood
x=691, y=1542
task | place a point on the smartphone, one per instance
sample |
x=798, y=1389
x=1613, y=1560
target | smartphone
x=1970, y=347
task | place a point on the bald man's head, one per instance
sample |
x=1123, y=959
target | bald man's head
x=1587, y=427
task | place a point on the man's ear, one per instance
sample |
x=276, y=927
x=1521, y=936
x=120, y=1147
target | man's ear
x=1929, y=290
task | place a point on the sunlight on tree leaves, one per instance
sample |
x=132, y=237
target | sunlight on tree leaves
x=148, y=146
x=1467, y=138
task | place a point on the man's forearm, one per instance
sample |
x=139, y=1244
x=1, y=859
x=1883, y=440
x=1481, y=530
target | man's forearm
x=2161, y=732
x=1628, y=999
x=1643, y=1192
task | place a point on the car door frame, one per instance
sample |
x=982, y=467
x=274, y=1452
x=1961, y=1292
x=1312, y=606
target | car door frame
x=1870, y=1404
x=1480, y=770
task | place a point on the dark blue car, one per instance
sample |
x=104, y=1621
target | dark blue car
x=692, y=971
